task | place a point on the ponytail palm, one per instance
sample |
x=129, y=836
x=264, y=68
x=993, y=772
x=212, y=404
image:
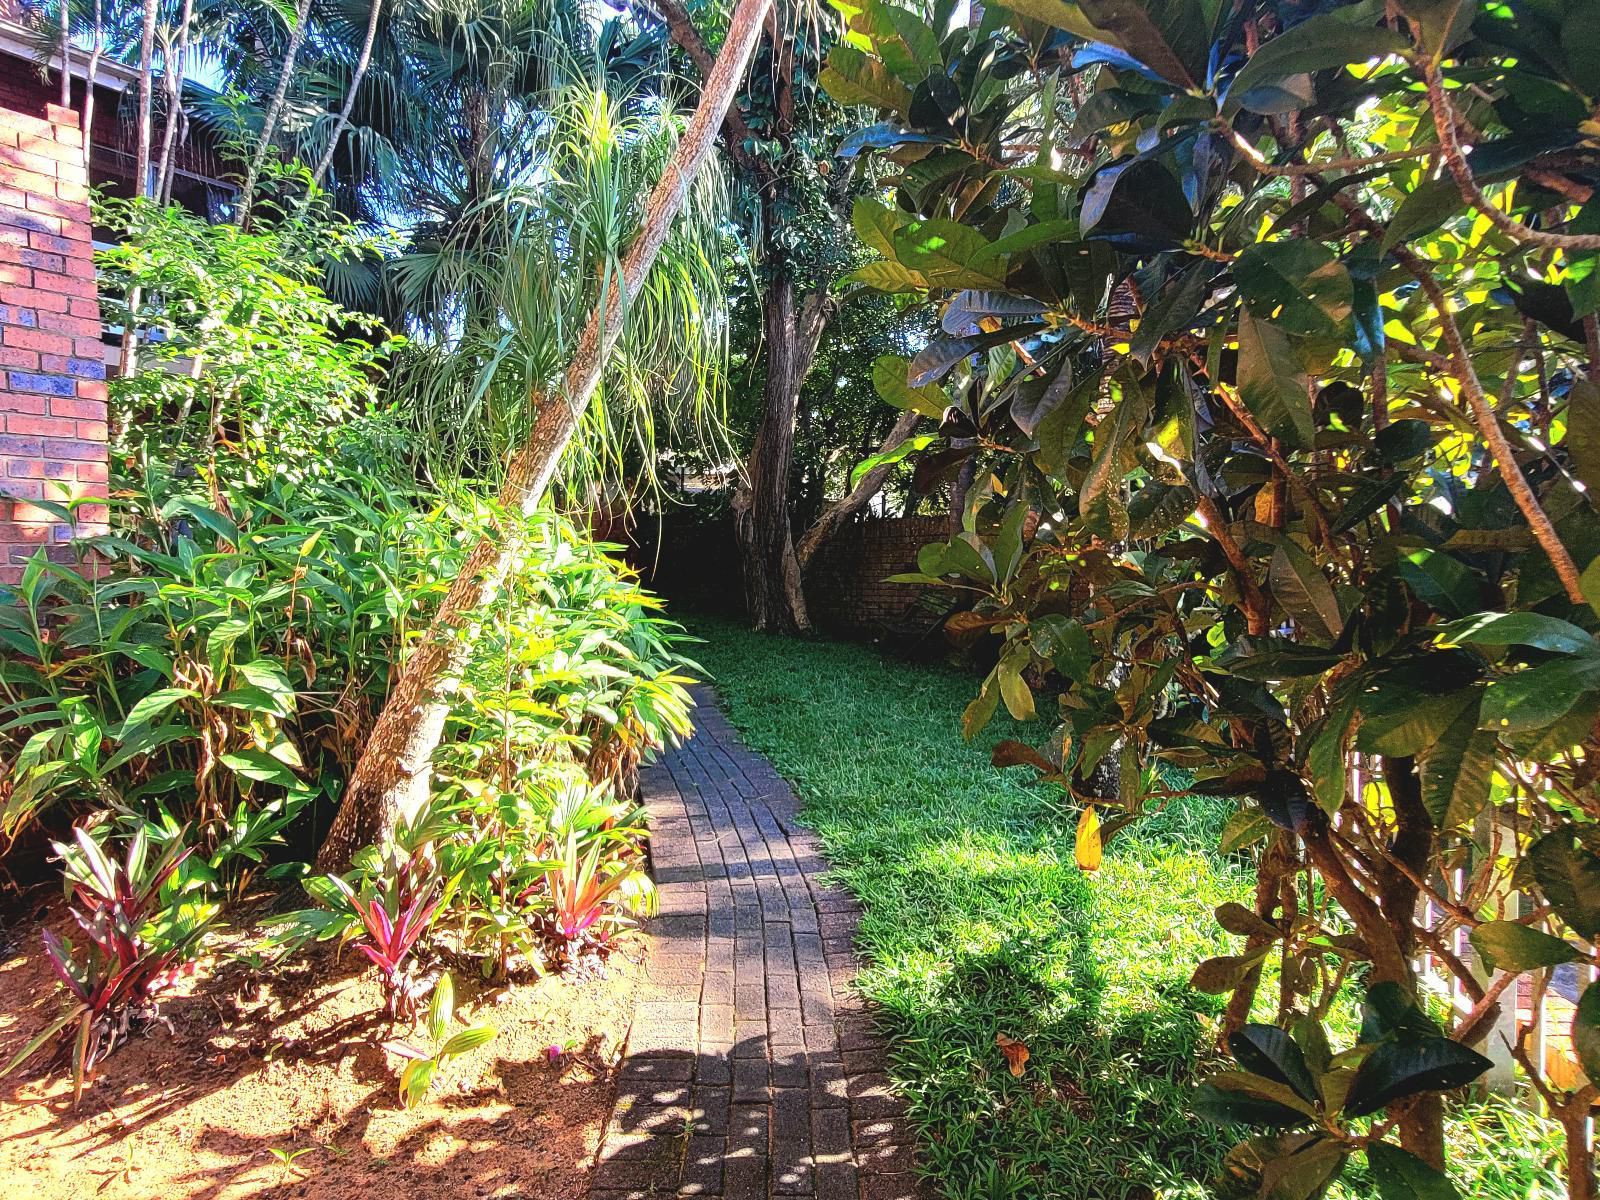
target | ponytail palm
x=508, y=294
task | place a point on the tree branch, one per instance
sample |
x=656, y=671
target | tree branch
x=870, y=484
x=735, y=131
x=1444, y=119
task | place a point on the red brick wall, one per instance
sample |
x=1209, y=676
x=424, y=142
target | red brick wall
x=845, y=585
x=52, y=373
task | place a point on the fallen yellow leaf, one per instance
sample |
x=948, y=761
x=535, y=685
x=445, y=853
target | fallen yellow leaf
x=1088, y=848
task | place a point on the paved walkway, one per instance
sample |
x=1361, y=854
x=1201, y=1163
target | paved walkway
x=752, y=1069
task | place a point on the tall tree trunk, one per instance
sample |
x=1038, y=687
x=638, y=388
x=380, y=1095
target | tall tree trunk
x=172, y=78
x=141, y=174
x=269, y=120
x=833, y=518
x=66, y=54
x=95, y=49
x=772, y=585
x=391, y=781
x=356, y=77
x=147, y=49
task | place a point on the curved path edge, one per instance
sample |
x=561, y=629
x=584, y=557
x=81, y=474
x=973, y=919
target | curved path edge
x=752, y=1069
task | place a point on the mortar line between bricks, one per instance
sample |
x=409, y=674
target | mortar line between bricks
x=752, y=1070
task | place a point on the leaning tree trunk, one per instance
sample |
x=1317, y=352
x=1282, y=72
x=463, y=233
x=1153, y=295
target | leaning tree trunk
x=391, y=782
x=356, y=77
x=833, y=518
x=269, y=120
x=772, y=588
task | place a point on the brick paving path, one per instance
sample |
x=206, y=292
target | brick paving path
x=752, y=1069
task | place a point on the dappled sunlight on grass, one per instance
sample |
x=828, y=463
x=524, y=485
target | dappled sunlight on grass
x=978, y=922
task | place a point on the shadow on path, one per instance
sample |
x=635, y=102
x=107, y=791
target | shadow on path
x=753, y=1070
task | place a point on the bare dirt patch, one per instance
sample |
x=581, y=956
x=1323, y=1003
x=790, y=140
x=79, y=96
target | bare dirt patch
x=291, y=1059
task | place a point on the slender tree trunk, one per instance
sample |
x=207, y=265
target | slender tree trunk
x=1420, y=1118
x=66, y=54
x=177, y=55
x=833, y=518
x=95, y=49
x=391, y=782
x=147, y=45
x=359, y=74
x=269, y=120
x=773, y=593
x=141, y=173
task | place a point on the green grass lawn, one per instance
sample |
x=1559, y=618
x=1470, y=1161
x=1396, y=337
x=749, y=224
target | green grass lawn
x=978, y=922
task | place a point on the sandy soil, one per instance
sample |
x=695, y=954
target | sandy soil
x=291, y=1060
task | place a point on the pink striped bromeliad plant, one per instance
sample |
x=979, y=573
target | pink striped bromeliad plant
x=142, y=937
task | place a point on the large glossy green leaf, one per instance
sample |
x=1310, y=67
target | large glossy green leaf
x=1397, y=1069
x=888, y=276
x=912, y=445
x=1331, y=39
x=1520, y=629
x=1063, y=14
x=1540, y=696
x=1151, y=31
x=935, y=360
x=1173, y=310
x=1456, y=771
x=1510, y=946
x=852, y=77
x=1424, y=210
x=1303, y=591
x=944, y=252
x=1298, y=285
x=1269, y=1051
x=1400, y=1175
x=1569, y=878
x=876, y=223
x=1273, y=384
x=1238, y=1097
x=889, y=373
x=1440, y=580
x=1101, y=504
x=1397, y=719
x=1138, y=205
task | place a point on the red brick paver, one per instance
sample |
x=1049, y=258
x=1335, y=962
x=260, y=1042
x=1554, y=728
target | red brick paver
x=752, y=1070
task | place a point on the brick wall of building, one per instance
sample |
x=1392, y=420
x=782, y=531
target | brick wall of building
x=846, y=589
x=52, y=372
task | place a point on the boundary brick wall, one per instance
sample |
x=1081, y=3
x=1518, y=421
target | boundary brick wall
x=845, y=588
x=52, y=365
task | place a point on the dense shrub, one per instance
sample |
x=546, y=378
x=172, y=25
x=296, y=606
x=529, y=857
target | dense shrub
x=203, y=685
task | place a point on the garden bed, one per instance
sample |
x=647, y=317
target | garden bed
x=275, y=1082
